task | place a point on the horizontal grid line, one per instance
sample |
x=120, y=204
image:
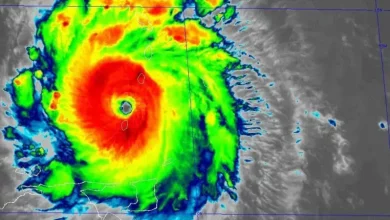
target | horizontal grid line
x=212, y=214
x=238, y=8
x=297, y=214
x=308, y=9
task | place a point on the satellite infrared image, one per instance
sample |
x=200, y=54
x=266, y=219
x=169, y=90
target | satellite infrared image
x=194, y=109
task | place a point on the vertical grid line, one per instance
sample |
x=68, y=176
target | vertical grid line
x=377, y=11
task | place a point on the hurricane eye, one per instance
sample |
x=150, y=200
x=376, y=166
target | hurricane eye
x=126, y=107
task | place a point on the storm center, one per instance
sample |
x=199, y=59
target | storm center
x=126, y=108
